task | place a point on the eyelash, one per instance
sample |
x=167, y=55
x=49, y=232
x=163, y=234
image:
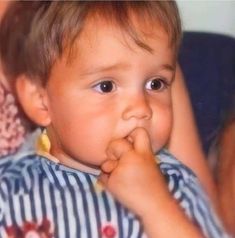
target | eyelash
x=111, y=86
x=97, y=87
x=164, y=84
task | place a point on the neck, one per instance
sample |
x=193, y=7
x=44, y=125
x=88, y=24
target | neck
x=70, y=162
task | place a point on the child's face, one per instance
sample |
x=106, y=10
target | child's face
x=111, y=87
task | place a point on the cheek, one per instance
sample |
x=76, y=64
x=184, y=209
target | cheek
x=92, y=131
x=161, y=127
x=86, y=121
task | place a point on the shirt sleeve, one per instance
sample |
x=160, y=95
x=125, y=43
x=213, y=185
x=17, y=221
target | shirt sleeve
x=187, y=190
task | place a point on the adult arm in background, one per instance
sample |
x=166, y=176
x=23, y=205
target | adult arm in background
x=3, y=6
x=184, y=141
x=225, y=176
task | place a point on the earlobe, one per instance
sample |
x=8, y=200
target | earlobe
x=33, y=99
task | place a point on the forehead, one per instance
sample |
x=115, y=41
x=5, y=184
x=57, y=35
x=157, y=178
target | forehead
x=103, y=47
x=98, y=35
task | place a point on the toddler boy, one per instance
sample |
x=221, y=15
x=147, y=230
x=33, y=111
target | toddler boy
x=98, y=76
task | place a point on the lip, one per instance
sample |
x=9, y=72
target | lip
x=124, y=129
x=127, y=133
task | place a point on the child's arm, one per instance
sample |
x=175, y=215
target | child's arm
x=184, y=141
x=131, y=176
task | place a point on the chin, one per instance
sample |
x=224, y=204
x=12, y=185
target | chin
x=99, y=161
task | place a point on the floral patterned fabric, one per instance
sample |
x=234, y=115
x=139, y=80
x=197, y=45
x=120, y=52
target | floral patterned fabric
x=12, y=131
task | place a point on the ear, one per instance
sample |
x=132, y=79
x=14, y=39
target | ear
x=33, y=99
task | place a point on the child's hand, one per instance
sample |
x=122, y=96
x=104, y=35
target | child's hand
x=131, y=173
x=132, y=176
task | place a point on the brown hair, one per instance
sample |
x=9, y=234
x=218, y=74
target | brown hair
x=14, y=29
x=46, y=29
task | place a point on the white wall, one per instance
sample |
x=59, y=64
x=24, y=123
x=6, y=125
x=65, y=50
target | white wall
x=208, y=15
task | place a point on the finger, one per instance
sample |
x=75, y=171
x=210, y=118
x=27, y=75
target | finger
x=117, y=148
x=109, y=165
x=103, y=179
x=141, y=140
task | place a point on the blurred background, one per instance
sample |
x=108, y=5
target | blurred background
x=209, y=15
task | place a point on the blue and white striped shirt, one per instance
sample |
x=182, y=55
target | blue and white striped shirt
x=33, y=188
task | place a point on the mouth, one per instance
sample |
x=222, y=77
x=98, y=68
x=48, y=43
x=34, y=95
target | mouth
x=129, y=139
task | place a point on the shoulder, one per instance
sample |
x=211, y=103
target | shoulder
x=17, y=170
x=182, y=182
x=187, y=190
x=15, y=164
x=170, y=165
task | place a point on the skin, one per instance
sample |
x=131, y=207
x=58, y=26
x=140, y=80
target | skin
x=184, y=141
x=79, y=103
x=3, y=7
x=188, y=151
x=133, y=160
x=226, y=176
x=117, y=131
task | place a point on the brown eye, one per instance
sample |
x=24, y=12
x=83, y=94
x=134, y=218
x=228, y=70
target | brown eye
x=105, y=87
x=156, y=84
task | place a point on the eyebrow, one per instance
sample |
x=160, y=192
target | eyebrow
x=100, y=69
x=168, y=67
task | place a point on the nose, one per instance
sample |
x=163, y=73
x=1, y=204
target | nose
x=137, y=107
